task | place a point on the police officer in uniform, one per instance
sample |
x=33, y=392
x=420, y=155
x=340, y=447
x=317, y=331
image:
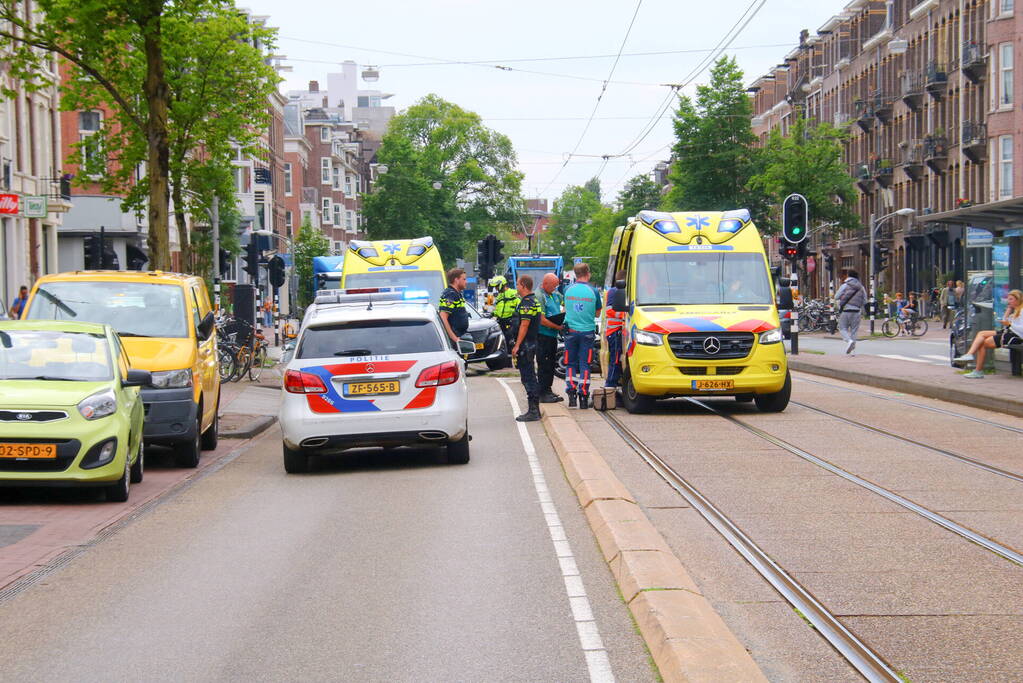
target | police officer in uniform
x=527, y=315
x=505, y=302
x=452, y=306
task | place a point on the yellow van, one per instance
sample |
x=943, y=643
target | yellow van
x=701, y=318
x=167, y=326
x=415, y=264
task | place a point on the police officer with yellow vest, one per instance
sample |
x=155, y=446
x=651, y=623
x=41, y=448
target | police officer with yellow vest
x=527, y=323
x=505, y=303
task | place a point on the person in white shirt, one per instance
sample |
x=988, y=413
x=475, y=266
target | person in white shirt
x=1010, y=336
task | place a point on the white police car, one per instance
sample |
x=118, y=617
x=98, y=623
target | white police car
x=373, y=367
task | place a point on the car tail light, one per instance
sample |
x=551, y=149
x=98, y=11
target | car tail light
x=438, y=375
x=297, y=382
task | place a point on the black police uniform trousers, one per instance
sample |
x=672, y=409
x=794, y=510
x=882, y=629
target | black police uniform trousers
x=546, y=359
x=527, y=369
x=510, y=330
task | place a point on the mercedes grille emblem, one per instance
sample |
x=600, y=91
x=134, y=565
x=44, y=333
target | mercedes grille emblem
x=24, y=416
x=711, y=345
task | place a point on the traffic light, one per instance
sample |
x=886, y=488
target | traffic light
x=252, y=259
x=496, y=255
x=91, y=252
x=224, y=262
x=790, y=252
x=795, y=218
x=275, y=271
x=880, y=258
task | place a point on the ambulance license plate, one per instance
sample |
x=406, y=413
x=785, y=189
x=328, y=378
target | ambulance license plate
x=29, y=451
x=365, y=388
x=713, y=384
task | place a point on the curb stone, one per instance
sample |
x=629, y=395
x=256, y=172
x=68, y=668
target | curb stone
x=257, y=425
x=687, y=639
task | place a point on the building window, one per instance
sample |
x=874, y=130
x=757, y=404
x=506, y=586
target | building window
x=1005, y=64
x=287, y=179
x=328, y=211
x=337, y=214
x=348, y=186
x=307, y=217
x=350, y=221
x=288, y=223
x=89, y=123
x=1006, y=6
x=239, y=178
x=1005, y=167
x=363, y=101
x=324, y=134
x=325, y=171
x=337, y=179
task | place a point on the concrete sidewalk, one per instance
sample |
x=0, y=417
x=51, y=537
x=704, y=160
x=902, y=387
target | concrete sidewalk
x=1000, y=392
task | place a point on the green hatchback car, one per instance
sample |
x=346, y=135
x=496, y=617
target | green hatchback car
x=70, y=413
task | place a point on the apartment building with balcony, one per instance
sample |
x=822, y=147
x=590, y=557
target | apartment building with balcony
x=33, y=189
x=926, y=89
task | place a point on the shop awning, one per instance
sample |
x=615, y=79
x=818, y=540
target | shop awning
x=994, y=216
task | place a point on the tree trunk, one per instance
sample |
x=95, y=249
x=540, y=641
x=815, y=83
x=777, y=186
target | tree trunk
x=157, y=96
x=182, y=223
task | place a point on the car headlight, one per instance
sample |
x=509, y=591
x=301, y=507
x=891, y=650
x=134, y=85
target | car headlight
x=647, y=338
x=172, y=379
x=100, y=404
x=771, y=336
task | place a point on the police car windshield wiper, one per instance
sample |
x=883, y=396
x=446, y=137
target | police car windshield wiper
x=354, y=352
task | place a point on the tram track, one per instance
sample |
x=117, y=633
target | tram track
x=859, y=655
x=914, y=404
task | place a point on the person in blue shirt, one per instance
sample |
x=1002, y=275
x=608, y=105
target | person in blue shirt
x=581, y=307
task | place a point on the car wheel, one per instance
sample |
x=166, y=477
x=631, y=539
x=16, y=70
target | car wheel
x=295, y=462
x=188, y=452
x=138, y=470
x=559, y=367
x=458, y=451
x=212, y=434
x=776, y=402
x=635, y=402
x=118, y=493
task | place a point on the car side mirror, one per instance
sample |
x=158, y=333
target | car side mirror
x=137, y=378
x=207, y=326
x=466, y=348
x=619, y=302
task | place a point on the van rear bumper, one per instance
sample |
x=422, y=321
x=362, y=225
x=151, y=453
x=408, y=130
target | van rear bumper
x=170, y=415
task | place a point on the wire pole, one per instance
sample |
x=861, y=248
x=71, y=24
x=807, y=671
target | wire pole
x=215, y=240
x=873, y=266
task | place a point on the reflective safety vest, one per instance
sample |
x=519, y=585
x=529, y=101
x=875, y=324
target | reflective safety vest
x=615, y=319
x=506, y=303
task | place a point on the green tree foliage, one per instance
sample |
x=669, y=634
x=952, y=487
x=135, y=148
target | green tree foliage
x=593, y=185
x=714, y=153
x=183, y=79
x=310, y=242
x=568, y=225
x=641, y=193
x=809, y=161
x=596, y=240
x=437, y=141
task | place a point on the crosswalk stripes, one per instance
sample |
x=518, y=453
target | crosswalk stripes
x=943, y=359
x=925, y=358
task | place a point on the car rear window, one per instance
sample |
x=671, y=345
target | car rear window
x=370, y=338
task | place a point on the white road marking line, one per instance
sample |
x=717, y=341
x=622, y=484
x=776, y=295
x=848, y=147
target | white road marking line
x=894, y=356
x=943, y=359
x=597, y=661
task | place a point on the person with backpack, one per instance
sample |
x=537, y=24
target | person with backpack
x=850, y=300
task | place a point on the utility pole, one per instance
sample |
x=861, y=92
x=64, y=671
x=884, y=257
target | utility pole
x=215, y=238
x=873, y=271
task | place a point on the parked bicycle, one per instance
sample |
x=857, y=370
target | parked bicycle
x=914, y=326
x=242, y=349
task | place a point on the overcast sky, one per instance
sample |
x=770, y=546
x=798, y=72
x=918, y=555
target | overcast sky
x=543, y=114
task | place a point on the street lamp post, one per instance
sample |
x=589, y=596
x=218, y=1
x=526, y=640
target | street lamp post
x=875, y=224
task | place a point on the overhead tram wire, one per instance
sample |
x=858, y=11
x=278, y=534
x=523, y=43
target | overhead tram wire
x=603, y=90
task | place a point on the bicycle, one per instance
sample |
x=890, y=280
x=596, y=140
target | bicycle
x=914, y=326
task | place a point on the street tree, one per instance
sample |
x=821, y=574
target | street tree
x=809, y=161
x=435, y=141
x=572, y=209
x=309, y=243
x=165, y=82
x=714, y=153
x=640, y=193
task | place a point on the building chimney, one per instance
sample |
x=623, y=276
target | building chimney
x=314, y=86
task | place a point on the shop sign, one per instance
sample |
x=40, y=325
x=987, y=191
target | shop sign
x=35, y=207
x=978, y=237
x=9, y=204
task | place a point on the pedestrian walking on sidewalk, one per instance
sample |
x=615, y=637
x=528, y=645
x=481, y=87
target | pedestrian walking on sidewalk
x=551, y=319
x=1010, y=336
x=581, y=306
x=850, y=300
x=947, y=301
x=527, y=315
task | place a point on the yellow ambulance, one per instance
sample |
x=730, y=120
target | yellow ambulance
x=411, y=263
x=700, y=313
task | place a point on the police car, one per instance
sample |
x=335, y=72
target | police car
x=373, y=367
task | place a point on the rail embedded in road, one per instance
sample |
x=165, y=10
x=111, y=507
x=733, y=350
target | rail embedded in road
x=867, y=662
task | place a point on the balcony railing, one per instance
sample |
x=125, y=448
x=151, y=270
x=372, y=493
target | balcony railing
x=882, y=105
x=883, y=172
x=863, y=110
x=974, y=141
x=912, y=90
x=936, y=152
x=974, y=61
x=936, y=79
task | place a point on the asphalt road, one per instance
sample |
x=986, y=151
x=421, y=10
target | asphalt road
x=931, y=349
x=374, y=567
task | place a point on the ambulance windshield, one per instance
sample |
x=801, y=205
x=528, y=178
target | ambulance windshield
x=707, y=277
